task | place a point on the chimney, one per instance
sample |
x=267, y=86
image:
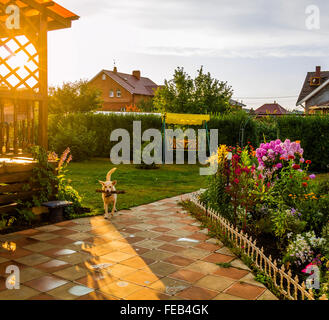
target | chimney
x=318, y=71
x=115, y=70
x=137, y=74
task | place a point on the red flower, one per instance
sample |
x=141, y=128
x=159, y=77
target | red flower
x=308, y=161
x=282, y=158
x=305, y=184
x=296, y=166
x=291, y=157
x=236, y=181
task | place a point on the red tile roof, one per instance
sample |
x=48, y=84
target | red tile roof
x=271, y=108
x=143, y=86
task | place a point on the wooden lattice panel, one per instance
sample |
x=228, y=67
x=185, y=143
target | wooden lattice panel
x=19, y=64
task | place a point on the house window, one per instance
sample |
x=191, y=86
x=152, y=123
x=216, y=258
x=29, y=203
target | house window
x=119, y=93
x=111, y=94
x=104, y=77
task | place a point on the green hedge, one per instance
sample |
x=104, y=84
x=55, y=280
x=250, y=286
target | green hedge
x=98, y=125
x=91, y=132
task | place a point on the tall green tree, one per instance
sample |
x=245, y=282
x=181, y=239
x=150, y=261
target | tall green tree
x=72, y=97
x=202, y=95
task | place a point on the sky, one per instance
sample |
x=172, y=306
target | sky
x=262, y=48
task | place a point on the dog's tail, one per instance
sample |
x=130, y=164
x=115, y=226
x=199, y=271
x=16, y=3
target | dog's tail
x=108, y=177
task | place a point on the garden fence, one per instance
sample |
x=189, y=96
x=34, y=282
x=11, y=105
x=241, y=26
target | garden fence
x=282, y=279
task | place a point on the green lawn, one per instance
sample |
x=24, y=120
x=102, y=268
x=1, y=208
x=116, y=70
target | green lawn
x=142, y=186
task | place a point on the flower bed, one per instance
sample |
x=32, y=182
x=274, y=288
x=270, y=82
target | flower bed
x=269, y=194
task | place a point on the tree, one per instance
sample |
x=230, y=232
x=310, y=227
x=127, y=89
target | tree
x=72, y=97
x=202, y=95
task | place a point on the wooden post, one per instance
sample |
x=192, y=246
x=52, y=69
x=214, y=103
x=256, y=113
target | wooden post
x=2, y=128
x=15, y=142
x=43, y=76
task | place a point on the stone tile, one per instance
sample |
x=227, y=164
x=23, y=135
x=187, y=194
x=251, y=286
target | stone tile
x=187, y=275
x=137, y=262
x=58, y=252
x=79, y=236
x=232, y=273
x=119, y=270
x=29, y=232
x=160, y=229
x=214, y=283
x=207, y=246
x=49, y=228
x=28, y=274
x=179, y=233
x=62, y=241
x=46, y=283
x=20, y=243
x=44, y=236
x=75, y=258
x=150, y=244
x=120, y=289
x=166, y=238
x=42, y=297
x=171, y=248
x=203, y=267
x=198, y=236
x=11, y=255
x=147, y=234
x=267, y=295
x=245, y=291
x=169, y=286
x=215, y=241
x=147, y=294
x=157, y=255
x=195, y=293
x=227, y=297
x=71, y=273
x=97, y=280
x=192, y=253
x=237, y=263
x=132, y=240
x=39, y=247
x=66, y=224
x=179, y=261
x=225, y=251
x=162, y=268
x=218, y=258
x=69, y=291
x=64, y=232
x=141, y=278
x=52, y=266
x=117, y=256
x=96, y=296
x=33, y=259
x=249, y=278
x=2, y=260
x=23, y=293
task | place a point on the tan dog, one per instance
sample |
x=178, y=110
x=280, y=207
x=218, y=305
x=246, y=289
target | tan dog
x=109, y=186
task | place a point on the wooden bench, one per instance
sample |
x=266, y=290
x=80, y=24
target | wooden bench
x=56, y=209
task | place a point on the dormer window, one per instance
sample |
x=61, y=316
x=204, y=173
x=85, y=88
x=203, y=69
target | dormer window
x=111, y=94
x=104, y=76
x=118, y=93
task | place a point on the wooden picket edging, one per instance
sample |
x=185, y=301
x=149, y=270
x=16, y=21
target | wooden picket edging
x=282, y=279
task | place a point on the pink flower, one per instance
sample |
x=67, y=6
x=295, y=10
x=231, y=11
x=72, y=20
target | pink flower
x=236, y=181
x=279, y=165
x=305, y=270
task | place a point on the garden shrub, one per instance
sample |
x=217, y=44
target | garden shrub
x=96, y=132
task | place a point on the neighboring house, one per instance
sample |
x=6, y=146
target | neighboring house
x=236, y=104
x=120, y=90
x=315, y=92
x=271, y=109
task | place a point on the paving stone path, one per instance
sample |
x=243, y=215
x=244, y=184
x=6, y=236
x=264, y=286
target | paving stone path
x=152, y=252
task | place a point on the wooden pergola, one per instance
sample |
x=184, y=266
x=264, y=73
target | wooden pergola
x=24, y=26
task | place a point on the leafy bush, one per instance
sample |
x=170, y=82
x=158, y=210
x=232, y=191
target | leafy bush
x=77, y=137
